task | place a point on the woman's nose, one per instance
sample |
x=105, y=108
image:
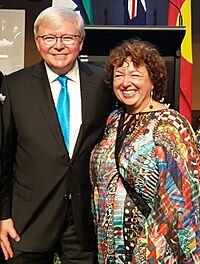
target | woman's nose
x=126, y=80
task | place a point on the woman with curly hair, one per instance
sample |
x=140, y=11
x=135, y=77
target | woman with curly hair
x=146, y=170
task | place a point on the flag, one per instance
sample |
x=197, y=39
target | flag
x=84, y=7
x=132, y=8
x=186, y=54
x=66, y=3
x=134, y=12
x=88, y=8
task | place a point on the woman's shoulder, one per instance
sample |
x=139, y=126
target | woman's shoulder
x=171, y=122
x=174, y=118
x=115, y=114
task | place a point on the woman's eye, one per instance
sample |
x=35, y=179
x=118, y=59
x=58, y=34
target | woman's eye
x=135, y=75
x=118, y=76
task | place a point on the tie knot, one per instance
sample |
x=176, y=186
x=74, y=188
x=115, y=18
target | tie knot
x=63, y=81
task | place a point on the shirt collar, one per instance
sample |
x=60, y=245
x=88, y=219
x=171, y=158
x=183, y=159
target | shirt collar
x=72, y=74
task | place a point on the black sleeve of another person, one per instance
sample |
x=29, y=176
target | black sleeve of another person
x=2, y=260
x=1, y=77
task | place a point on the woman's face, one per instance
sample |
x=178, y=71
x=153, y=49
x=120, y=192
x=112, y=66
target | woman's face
x=132, y=86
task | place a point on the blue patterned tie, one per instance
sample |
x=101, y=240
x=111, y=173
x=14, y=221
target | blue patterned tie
x=63, y=109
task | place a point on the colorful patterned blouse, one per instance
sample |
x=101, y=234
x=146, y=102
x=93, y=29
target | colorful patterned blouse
x=198, y=138
x=150, y=211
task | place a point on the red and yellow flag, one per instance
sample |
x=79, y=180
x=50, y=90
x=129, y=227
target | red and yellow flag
x=186, y=54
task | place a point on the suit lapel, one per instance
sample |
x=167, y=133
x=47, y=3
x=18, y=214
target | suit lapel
x=87, y=90
x=44, y=98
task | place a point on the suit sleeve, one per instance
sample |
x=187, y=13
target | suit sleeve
x=8, y=145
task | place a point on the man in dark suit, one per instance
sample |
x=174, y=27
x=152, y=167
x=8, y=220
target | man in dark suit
x=45, y=186
x=2, y=261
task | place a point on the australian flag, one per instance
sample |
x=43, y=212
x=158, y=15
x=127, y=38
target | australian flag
x=135, y=12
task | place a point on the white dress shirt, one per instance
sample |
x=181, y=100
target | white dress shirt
x=74, y=90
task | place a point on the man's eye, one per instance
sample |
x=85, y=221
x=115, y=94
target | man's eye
x=67, y=38
x=49, y=38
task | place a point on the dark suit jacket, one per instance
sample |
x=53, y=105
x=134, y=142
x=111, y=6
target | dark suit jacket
x=1, y=77
x=33, y=189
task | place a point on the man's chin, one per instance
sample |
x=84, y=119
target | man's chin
x=60, y=68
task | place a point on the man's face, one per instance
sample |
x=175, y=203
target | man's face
x=59, y=57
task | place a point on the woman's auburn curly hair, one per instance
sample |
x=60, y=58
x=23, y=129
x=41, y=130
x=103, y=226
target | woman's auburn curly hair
x=142, y=53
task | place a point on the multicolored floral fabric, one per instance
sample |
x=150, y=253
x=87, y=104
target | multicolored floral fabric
x=160, y=162
x=198, y=138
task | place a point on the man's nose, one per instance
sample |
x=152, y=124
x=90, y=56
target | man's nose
x=59, y=44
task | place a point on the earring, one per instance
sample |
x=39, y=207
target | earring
x=151, y=105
